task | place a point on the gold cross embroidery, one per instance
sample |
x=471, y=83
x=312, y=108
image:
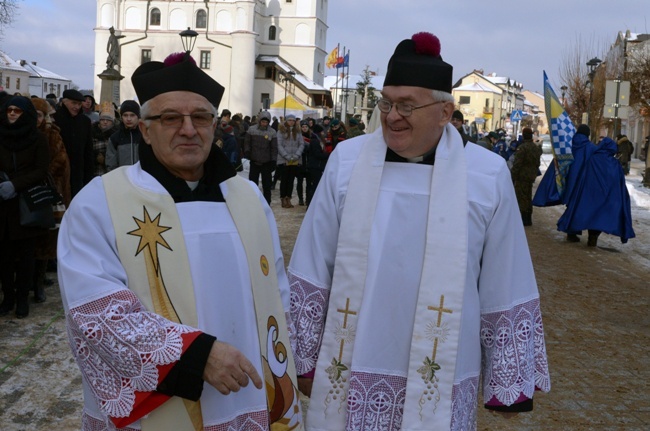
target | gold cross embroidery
x=440, y=310
x=345, y=312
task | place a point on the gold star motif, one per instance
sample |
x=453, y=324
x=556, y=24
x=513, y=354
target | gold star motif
x=150, y=232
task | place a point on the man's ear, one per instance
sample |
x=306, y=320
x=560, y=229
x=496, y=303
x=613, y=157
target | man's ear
x=145, y=131
x=447, y=111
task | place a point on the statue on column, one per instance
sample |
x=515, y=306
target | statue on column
x=113, y=49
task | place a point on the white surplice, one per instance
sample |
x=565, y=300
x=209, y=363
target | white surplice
x=94, y=289
x=501, y=318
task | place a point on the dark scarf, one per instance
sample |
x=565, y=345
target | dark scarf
x=19, y=135
x=216, y=170
x=102, y=135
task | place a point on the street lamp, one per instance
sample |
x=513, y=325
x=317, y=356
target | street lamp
x=564, y=88
x=188, y=39
x=592, y=64
x=286, y=77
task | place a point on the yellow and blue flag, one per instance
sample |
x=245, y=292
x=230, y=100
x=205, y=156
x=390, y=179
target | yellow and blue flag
x=562, y=131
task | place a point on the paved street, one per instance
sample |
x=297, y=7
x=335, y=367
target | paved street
x=596, y=317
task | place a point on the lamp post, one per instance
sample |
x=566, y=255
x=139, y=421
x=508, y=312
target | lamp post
x=286, y=77
x=564, y=88
x=188, y=39
x=592, y=65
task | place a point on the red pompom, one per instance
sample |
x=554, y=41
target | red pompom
x=426, y=43
x=176, y=58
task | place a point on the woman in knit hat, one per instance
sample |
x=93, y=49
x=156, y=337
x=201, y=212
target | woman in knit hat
x=59, y=169
x=102, y=131
x=23, y=164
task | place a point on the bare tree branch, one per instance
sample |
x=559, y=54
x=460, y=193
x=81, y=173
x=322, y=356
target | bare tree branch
x=8, y=9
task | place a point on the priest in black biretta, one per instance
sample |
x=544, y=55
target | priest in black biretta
x=177, y=73
x=416, y=62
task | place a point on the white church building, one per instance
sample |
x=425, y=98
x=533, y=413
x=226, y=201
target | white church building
x=259, y=50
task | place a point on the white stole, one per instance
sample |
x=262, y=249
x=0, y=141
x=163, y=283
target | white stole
x=436, y=330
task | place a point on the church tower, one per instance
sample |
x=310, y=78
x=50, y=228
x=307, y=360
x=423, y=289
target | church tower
x=249, y=46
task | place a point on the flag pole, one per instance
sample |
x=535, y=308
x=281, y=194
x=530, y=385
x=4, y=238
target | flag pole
x=346, y=60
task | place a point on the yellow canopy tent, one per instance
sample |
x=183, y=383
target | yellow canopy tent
x=293, y=106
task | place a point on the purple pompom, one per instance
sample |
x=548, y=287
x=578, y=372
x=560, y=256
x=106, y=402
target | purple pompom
x=175, y=58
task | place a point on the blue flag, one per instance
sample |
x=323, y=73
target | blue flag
x=562, y=131
x=551, y=188
x=345, y=62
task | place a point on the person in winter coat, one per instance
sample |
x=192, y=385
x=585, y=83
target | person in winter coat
x=596, y=196
x=290, y=148
x=354, y=129
x=102, y=131
x=77, y=134
x=336, y=134
x=316, y=158
x=261, y=148
x=59, y=169
x=525, y=169
x=24, y=160
x=625, y=151
x=122, y=148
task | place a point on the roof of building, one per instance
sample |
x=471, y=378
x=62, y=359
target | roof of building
x=39, y=72
x=476, y=86
x=286, y=67
x=7, y=63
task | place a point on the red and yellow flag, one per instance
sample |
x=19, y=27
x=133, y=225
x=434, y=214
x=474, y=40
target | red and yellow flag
x=332, y=58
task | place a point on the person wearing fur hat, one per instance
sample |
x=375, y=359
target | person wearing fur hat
x=59, y=169
x=102, y=131
x=24, y=160
x=595, y=194
x=77, y=135
x=525, y=169
x=413, y=243
x=176, y=261
x=122, y=149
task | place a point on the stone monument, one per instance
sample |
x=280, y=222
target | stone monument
x=111, y=77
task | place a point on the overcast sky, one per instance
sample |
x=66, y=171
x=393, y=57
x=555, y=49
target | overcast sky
x=518, y=39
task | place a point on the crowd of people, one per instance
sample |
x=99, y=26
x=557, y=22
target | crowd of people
x=178, y=305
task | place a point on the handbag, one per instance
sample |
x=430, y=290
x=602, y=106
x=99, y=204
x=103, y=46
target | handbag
x=36, y=205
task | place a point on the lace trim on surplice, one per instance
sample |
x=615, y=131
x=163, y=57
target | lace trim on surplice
x=119, y=345
x=254, y=421
x=514, y=353
x=464, y=398
x=308, y=309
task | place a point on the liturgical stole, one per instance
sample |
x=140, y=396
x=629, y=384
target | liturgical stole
x=437, y=320
x=137, y=244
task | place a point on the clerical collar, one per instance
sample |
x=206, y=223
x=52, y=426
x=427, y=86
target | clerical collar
x=427, y=159
x=217, y=169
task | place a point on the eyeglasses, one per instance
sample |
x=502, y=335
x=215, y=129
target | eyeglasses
x=14, y=111
x=403, y=109
x=175, y=119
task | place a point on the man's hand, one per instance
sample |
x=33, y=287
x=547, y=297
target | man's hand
x=228, y=370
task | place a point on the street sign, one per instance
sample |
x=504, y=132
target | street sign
x=623, y=92
x=515, y=116
x=611, y=112
x=479, y=120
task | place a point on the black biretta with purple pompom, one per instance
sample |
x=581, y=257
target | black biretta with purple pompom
x=416, y=62
x=177, y=73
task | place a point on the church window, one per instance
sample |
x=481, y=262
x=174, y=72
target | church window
x=201, y=19
x=44, y=87
x=205, y=59
x=268, y=72
x=272, y=32
x=8, y=83
x=154, y=17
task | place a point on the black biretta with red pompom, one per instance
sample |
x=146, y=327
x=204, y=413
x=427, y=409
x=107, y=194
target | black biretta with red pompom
x=177, y=73
x=416, y=62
